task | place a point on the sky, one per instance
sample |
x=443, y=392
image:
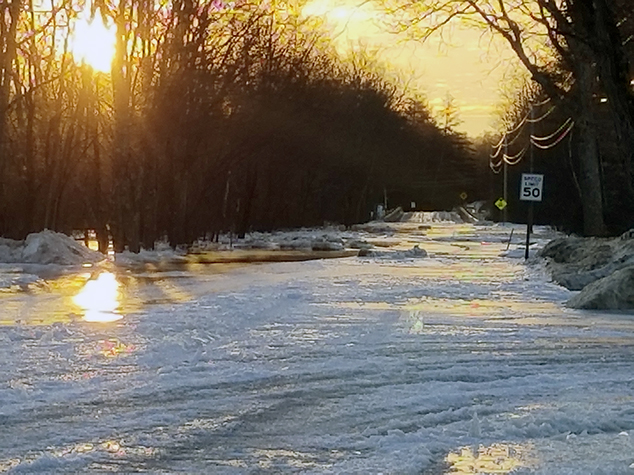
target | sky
x=470, y=67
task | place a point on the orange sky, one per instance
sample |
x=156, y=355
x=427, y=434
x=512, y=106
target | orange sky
x=465, y=64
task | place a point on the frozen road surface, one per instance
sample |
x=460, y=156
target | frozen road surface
x=459, y=363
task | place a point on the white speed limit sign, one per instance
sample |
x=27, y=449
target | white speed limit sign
x=531, y=187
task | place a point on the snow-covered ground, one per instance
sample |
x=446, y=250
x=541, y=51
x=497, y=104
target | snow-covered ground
x=460, y=362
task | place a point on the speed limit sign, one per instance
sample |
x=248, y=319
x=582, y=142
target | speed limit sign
x=531, y=187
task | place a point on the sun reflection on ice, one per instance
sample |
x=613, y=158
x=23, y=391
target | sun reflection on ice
x=496, y=458
x=99, y=299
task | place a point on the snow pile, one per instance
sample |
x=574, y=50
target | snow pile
x=309, y=241
x=479, y=210
x=603, y=269
x=433, y=217
x=374, y=227
x=319, y=239
x=16, y=280
x=575, y=262
x=47, y=247
x=614, y=292
x=10, y=250
x=395, y=215
x=413, y=253
x=156, y=257
x=254, y=247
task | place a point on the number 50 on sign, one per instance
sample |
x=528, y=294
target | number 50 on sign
x=531, y=187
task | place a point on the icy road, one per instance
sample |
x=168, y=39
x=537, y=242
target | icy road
x=462, y=362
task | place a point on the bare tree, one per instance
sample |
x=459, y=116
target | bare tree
x=583, y=37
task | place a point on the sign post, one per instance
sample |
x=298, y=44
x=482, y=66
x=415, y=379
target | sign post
x=531, y=189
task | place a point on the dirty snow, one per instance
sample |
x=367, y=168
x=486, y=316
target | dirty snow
x=47, y=247
x=23, y=264
x=601, y=268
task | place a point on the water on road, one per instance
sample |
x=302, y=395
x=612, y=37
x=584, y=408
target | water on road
x=459, y=363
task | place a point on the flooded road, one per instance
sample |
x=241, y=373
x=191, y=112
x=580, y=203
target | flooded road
x=462, y=362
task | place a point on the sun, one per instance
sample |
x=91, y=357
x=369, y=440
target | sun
x=348, y=20
x=93, y=42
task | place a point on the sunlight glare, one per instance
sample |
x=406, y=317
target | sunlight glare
x=99, y=299
x=93, y=43
x=354, y=20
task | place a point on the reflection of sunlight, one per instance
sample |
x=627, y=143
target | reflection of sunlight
x=497, y=458
x=99, y=299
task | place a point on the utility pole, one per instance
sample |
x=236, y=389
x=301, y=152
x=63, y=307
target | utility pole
x=529, y=221
x=505, y=196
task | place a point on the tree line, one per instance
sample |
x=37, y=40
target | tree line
x=215, y=118
x=578, y=54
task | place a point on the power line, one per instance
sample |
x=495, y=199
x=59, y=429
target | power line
x=542, y=103
x=554, y=134
x=515, y=159
x=526, y=119
x=539, y=119
x=558, y=140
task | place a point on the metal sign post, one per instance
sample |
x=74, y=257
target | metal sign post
x=531, y=189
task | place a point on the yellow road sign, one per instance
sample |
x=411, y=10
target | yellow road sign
x=501, y=203
x=463, y=195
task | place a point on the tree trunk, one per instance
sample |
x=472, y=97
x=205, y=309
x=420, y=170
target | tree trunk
x=589, y=162
x=244, y=219
x=613, y=72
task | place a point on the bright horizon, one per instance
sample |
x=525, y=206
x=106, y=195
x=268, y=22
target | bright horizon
x=466, y=64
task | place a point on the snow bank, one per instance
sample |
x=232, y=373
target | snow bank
x=614, y=292
x=575, y=262
x=10, y=250
x=374, y=227
x=603, y=269
x=16, y=280
x=156, y=257
x=47, y=247
x=311, y=239
x=254, y=247
x=413, y=253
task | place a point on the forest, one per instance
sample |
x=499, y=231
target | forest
x=214, y=118
x=225, y=117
